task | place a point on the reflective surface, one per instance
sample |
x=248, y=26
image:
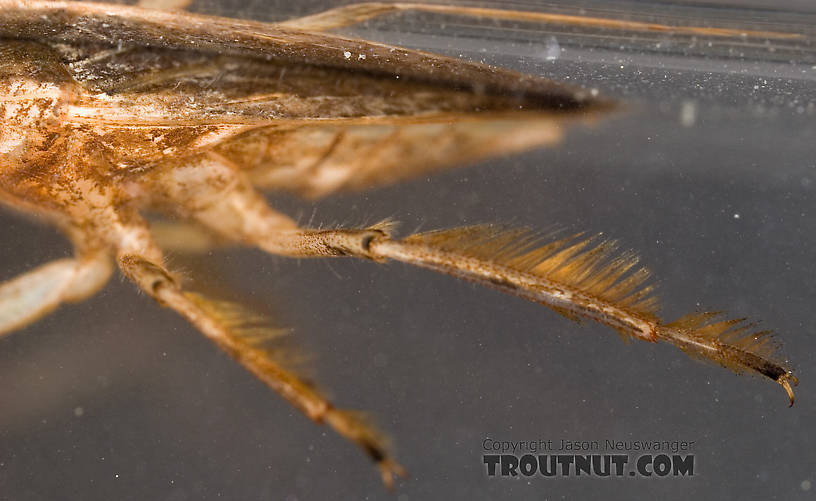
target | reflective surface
x=709, y=174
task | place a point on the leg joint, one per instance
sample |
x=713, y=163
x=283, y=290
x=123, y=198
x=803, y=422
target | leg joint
x=356, y=243
x=149, y=276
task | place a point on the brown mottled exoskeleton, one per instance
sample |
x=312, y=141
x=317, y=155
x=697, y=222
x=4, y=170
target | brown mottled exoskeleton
x=107, y=111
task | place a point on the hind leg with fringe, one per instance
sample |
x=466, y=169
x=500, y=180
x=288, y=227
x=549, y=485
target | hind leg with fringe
x=579, y=277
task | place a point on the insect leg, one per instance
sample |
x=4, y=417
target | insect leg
x=165, y=4
x=340, y=17
x=155, y=280
x=216, y=194
x=579, y=278
x=32, y=295
x=349, y=15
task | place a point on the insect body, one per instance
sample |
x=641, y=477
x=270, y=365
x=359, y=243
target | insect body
x=108, y=111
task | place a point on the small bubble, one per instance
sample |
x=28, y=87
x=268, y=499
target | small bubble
x=736, y=216
x=79, y=411
x=805, y=485
x=347, y=54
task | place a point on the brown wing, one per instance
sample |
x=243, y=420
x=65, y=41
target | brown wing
x=307, y=112
x=116, y=25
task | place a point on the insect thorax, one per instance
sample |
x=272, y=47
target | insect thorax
x=33, y=91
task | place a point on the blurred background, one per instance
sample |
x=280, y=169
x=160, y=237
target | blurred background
x=709, y=173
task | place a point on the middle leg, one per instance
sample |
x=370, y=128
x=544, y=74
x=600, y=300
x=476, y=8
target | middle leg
x=236, y=333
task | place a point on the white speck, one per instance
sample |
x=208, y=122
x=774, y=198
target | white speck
x=79, y=411
x=116, y=475
x=593, y=92
x=688, y=113
x=805, y=485
x=736, y=216
x=347, y=54
x=361, y=56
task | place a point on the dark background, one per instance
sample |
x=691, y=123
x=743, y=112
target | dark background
x=709, y=173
